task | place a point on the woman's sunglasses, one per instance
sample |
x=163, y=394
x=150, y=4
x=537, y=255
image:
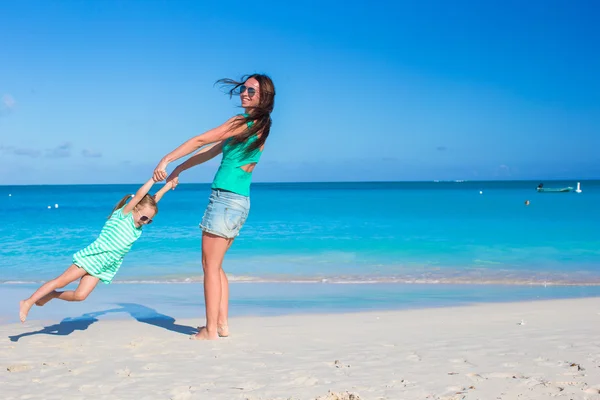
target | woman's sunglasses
x=251, y=90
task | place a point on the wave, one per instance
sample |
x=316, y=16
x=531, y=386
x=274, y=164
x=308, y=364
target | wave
x=583, y=280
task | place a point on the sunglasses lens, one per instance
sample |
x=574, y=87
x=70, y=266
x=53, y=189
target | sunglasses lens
x=143, y=218
x=251, y=91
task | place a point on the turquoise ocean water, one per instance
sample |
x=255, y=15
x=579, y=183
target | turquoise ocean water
x=357, y=234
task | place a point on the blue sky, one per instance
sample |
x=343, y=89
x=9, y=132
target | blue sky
x=99, y=91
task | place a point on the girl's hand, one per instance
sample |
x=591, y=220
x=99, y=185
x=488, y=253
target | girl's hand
x=160, y=172
x=174, y=182
x=173, y=179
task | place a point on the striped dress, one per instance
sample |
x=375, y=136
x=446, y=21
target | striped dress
x=103, y=258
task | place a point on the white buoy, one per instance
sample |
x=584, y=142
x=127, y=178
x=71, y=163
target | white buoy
x=56, y=206
x=481, y=192
x=578, y=190
x=49, y=207
x=9, y=195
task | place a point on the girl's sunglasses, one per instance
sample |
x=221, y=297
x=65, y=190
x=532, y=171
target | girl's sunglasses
x=251, y=90
x=145, y=219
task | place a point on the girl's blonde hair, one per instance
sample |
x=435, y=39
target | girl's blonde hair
x=147, y=200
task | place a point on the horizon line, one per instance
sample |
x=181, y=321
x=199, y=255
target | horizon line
x=321, y=182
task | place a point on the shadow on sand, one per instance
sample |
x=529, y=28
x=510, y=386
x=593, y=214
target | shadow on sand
x=141, y=313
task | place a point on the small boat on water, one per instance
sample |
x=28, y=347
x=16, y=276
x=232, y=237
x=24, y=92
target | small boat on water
x=542, y=189
x=555, y=190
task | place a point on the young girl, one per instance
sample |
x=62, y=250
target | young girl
x=101, y=260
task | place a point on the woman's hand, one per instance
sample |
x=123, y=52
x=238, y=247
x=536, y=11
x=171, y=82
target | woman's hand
x=160, y=172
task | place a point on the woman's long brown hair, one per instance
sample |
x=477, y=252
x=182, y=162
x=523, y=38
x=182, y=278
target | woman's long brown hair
x=260, y=115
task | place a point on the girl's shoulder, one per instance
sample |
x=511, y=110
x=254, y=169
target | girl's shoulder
x=118, y=214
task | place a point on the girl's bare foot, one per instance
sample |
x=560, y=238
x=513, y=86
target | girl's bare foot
x=203, y=334
x=45, y=299
x=24, y=307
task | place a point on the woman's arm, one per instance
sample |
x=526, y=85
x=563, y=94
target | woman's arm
x=137, y=197
x=200, y=157
x=207, y=153
x=219, y=133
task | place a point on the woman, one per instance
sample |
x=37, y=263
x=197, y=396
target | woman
x=241, y=139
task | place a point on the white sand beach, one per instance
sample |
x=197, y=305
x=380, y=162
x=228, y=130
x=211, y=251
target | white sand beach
x=533, y=350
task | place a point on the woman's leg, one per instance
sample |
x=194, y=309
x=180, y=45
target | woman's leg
x=213, y=251
x=222, y=326
x=70, y=275
x=222, y=319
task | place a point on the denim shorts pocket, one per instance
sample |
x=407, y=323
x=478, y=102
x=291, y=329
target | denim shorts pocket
x=234, y=218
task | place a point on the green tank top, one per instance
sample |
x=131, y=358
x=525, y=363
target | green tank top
x=230, y=176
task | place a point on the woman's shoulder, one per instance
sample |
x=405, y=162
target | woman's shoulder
x=245, y=116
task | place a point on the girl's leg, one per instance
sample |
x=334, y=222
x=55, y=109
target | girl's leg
x=87, y=283
x=70, y=275
x=45, y=299
x=213, y=251
x=85, y=287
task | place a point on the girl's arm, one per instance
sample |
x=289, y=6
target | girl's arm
x=219, y=133
x=158, y=195
x=138, y=196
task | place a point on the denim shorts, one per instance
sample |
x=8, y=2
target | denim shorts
x=225, y=214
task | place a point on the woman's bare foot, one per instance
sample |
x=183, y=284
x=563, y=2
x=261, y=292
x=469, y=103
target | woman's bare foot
x=203, y=334
x=24, y=307
x=223, y=330
x=45, y=299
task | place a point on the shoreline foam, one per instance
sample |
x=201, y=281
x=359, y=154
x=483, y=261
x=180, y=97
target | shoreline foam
x=337, y=280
